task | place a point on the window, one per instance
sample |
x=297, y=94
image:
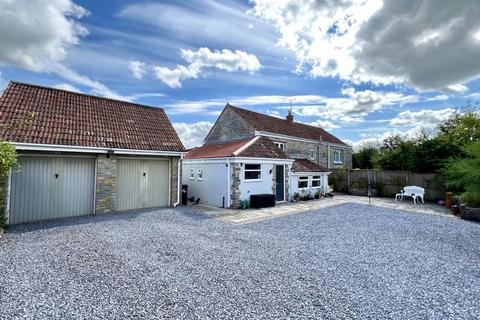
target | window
x=280, y=145
x=312, y=154
x=316, y=182
x=302, y=182
x=200, y=173
x=192, y=173
x=253, y=172
x=338, y=156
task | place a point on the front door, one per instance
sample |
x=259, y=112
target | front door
x=280, y=183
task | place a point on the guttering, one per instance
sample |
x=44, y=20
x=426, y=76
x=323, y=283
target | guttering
x=283, y=136
x=239, y=159
x=178, y=181
x=65, y=148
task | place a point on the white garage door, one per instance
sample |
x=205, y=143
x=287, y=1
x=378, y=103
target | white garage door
x=51, y=187
x=142, y=183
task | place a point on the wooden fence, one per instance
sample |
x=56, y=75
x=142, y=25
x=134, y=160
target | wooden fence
x=385, y=183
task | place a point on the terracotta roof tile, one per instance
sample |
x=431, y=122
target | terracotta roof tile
x=41, y=115
x=256, y=147
x=263, y=148
x=304, y=165
x=263, y=122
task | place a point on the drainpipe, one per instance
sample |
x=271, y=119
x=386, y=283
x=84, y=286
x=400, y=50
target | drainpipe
x=178, y=181
x=7, y=204
x=228, y=183
x=328, y=156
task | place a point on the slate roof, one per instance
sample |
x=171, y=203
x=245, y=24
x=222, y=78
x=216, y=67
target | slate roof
x=304, y=165
x=41, y=115
x=263, y=122
x=255, y=147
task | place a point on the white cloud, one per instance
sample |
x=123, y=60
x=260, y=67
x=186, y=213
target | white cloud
x=425, y=44
x=174, y=77
x=192, y=134
x=137, y=68
x=67, y=87
x=3, y=83
x=324, y=124
x=456, y=88
x=205, y=58
x=44, y=31
x=354, y=105
x=351, y=107
x=34, y=33
x=421, y=119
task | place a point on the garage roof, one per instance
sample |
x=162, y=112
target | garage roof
x=254, y=147
x=41, y=115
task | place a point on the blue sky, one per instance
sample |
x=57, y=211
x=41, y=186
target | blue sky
x=360, y=69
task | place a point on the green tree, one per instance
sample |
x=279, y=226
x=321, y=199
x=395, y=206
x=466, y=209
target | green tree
x=463, y=174
x=8, y=160
x=363, y=158
x=461, y=128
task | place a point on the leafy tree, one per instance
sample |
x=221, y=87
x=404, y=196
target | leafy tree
x=464, y=174
x=363, y=158
x=425, y=154
x=461, y=128
x=8, y=160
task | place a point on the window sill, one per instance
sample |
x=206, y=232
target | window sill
x=252, y=180
x=200, y=179
x=336, y=162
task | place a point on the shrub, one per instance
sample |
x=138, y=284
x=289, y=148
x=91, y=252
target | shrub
x=464, y=175
x=8, y=160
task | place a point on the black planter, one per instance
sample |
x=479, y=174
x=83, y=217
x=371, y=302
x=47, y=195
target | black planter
x=470, y=213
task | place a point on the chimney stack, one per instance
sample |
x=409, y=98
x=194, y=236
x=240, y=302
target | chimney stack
x=289, y=116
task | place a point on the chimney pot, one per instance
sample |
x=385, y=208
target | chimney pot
x=289, y=116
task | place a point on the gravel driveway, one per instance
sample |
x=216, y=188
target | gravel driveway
x=345, y=262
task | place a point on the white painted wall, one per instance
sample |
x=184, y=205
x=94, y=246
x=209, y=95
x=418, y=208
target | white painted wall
x=294, y=184
x=212, y=188
x=248, y=187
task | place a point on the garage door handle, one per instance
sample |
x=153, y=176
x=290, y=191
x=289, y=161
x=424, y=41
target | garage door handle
x=56, y=175
x=144, y=174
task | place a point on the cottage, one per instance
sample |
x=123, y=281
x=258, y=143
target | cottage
x=289, y=158
x=81, y=154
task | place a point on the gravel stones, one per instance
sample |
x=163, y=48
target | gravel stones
x=346, y=262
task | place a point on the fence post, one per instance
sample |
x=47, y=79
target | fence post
x=348, y=180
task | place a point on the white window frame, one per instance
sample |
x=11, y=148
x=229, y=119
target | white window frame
x=312, y=154
x=200, y=174
x=319, y=179
x=340, y=156
x=192, y=174
x=259, y=170
x=303, y=179
x=280, y=145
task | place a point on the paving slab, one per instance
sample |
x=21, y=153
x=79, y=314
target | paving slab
x=237, y=216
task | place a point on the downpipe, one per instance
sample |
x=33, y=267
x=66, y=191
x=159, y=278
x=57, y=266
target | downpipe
x=179, y=191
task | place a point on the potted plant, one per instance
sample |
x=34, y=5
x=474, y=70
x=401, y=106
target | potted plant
x=317, y=195
x=296, y=196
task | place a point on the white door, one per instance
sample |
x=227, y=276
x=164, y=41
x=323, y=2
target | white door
x=142, y=183
x=51, y=187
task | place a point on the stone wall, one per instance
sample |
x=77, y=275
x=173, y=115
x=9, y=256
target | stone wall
x=229, y=126
x=106, y=183
x=347, y=157
x=235, y=186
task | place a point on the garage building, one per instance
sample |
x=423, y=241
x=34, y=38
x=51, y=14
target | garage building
x=81, y=154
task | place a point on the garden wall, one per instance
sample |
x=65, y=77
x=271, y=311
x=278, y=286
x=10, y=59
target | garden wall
x=385, y=183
